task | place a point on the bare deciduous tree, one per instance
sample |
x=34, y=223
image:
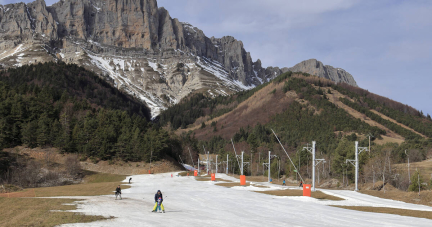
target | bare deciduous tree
x=72, y=165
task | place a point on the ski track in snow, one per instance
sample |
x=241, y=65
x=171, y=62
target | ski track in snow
x=201, y=203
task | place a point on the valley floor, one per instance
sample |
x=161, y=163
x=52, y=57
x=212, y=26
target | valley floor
x=189, y=202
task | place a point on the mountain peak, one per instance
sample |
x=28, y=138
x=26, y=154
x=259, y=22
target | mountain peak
x=317, y=68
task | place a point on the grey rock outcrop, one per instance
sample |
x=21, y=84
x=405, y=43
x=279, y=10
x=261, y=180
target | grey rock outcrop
x=19, y=22
x=317, y=68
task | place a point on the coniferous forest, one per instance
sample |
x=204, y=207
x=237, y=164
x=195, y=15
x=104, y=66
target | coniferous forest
x=65, y=106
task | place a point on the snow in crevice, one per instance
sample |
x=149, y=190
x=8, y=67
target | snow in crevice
x=217, y=70
x=103, y=63
x=18, y=49
x=97, y=8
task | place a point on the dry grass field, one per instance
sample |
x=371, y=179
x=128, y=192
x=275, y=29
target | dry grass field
x=46, y=211
x=232, y=184
x=97, y=184
x=385, y=210
x=288, y=192
x=40, y=212
x=425, y=197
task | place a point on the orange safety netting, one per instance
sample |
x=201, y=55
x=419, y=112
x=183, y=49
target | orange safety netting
x=25, y=193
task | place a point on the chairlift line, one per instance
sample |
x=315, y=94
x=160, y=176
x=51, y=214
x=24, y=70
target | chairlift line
x=235, y=153
x=287, y=155
x=191, y=157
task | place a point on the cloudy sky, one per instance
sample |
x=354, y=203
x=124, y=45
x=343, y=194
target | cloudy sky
x=386, y=45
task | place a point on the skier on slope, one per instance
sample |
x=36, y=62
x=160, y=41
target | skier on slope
x=158, y=196
x=118, y=192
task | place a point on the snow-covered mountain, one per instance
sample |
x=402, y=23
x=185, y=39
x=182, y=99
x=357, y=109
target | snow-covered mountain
x=134, y=44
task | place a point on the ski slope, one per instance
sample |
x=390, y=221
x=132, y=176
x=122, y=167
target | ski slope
x=201, y=203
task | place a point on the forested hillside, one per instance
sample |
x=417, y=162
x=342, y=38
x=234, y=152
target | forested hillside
x=65, y=106
x=297, y=107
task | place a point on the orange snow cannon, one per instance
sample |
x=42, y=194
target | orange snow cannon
x=307, y=190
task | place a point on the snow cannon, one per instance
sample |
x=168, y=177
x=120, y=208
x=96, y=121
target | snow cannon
x=242, y=180
x=307, y=190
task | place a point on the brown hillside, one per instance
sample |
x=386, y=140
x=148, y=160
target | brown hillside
x=259, y=108
x=119, y=167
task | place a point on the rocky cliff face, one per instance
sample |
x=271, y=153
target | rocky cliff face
x=317, y=68
x=135, y=45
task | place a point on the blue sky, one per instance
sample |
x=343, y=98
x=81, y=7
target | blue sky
x=386, y=45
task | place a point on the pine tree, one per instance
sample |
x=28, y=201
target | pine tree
x=344, y=151
x=43, y=131
x=252, y=141
x=416, y=180
x=29, y=134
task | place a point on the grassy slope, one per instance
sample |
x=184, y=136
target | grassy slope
x=37, y=211
x=97, y=184
x=386, y=210
x=425, y=197
x=316, y=195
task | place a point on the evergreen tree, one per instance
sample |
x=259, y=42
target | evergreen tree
x=416, y=180
x=253, y=141
x=344, y=151
x=29, y=131
x=43, y=130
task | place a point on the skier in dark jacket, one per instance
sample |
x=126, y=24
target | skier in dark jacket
x=158, y=195
x=118, y=192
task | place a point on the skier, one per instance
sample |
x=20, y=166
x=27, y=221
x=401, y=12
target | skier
x=158, y=205
x=118, y=192
x=301, y=184
x=283, y=183
x=130, y=180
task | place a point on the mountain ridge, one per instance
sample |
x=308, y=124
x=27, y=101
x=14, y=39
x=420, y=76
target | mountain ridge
x=134, y=44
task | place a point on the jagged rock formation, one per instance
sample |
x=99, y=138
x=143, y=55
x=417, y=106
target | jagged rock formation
x=132, y=43
x=317, y=68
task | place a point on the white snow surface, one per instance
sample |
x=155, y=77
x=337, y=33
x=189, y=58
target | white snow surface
x=202, y=203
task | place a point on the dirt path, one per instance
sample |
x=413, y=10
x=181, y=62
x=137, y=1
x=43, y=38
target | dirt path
x=334, y=98
x=394, y=121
